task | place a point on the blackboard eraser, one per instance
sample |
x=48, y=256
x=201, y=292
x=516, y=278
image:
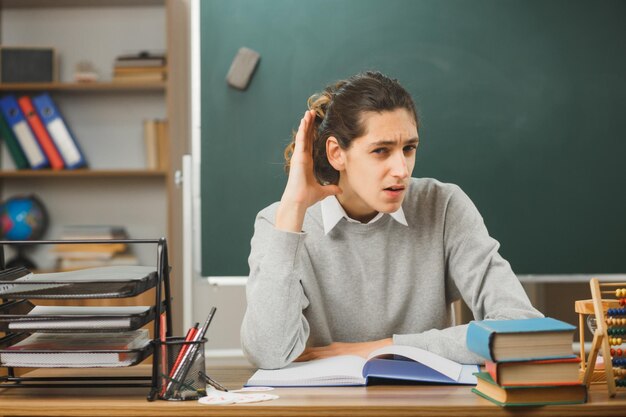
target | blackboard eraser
x=242, y=68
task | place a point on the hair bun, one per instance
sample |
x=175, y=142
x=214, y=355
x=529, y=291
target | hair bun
x=319, y=103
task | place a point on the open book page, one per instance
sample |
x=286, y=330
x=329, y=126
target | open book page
x=451, y=369
x=422, y=366
x=337, y=370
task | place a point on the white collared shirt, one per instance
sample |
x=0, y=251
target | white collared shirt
x=333, y=212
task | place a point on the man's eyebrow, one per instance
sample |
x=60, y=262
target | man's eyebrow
x=385, y=142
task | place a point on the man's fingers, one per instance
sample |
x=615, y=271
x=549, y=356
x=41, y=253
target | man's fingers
x=304, y=134
x=300, y=138
x=307, y=132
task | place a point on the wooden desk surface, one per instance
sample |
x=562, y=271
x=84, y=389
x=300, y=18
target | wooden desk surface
x=389, y=401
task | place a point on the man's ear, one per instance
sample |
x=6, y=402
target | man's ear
x=335, y=154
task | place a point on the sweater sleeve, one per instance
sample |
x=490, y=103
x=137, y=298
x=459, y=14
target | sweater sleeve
x=274, y=330
x=484, y=279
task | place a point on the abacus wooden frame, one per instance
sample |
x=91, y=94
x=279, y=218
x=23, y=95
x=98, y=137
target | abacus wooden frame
x=601, y=337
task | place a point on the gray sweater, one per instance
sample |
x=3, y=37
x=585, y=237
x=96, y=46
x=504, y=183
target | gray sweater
x=364, y=282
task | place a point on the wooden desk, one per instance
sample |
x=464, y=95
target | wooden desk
x=388, y=401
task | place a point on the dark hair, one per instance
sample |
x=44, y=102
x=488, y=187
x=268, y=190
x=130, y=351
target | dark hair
x=339, y=109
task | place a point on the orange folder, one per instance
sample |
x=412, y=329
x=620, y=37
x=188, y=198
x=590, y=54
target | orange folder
x=41, y=133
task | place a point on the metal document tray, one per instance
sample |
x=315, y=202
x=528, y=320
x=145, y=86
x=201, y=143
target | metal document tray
x=53, y=358
x=15, y=317
x=104, y=282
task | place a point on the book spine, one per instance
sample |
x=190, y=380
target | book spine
x=492, y=368
x=163, y=152
x=25, y=137
x=479, y=340
x=12, y=144
x=59, y=132
x=41, y=134
x=151, y=144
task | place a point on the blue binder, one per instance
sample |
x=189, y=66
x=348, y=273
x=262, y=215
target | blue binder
x=25, y=137
x=63, y=138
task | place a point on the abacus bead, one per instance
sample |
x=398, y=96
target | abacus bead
x=612, y=352
x=619, y=352
x=622, y=301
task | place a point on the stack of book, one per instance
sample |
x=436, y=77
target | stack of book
x=528, y=362
x=90, y=255
x=36, y=134
x=141, y=67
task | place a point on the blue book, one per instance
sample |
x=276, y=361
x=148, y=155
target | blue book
x=521, y=340
x=25, y=137
x=61, y=135
x=389, y=365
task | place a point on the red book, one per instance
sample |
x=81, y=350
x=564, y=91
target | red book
x=41, y=133
x=563, y=371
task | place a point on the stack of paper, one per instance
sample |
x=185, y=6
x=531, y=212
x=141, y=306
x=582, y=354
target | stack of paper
x=75, y=350
x=76, y=318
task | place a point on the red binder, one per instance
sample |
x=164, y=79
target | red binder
x=41, y=133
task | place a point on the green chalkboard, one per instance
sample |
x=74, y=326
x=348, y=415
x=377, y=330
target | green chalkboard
x=522, y=103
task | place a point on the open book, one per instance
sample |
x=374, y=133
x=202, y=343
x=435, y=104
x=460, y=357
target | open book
x=385, y=365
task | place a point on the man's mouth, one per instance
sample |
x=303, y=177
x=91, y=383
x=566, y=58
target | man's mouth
x=395, y=188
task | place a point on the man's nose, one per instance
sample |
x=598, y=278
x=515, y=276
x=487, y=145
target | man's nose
x=399, y=167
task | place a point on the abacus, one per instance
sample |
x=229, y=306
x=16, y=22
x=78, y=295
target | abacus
x=610, y=333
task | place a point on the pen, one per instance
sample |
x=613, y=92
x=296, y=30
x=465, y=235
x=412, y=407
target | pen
x=212, y=382
x=164, y=364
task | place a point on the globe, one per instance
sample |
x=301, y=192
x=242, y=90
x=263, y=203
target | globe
x=23, y=217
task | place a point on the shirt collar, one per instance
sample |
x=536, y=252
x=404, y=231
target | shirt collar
x=333, y=212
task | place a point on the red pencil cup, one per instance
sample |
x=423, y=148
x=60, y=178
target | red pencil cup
x=180, y=369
